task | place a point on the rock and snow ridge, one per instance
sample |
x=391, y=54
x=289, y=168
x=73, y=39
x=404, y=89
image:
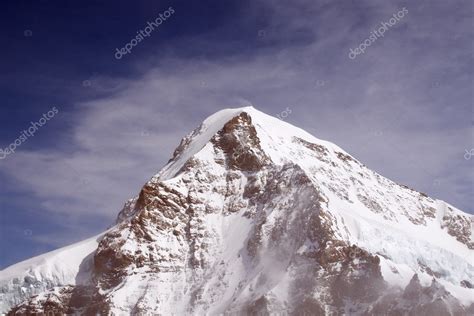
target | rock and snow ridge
x=253, y=215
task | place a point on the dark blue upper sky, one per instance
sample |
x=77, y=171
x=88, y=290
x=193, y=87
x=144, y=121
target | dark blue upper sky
x=403, y=107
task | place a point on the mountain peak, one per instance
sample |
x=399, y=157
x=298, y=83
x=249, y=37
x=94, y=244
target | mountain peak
x=254, y=215
x=272, y=134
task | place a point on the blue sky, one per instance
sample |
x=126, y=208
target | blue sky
x=404, y=107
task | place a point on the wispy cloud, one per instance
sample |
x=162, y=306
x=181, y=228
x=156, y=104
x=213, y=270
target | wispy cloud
x=402, y=108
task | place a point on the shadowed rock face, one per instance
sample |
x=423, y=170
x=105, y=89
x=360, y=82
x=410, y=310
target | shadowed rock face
x=459, y=227
x=416, y=299
x=181, y=242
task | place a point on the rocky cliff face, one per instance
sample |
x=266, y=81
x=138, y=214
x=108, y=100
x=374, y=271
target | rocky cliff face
x=254, y=216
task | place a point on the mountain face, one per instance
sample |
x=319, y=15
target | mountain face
x=253, y=216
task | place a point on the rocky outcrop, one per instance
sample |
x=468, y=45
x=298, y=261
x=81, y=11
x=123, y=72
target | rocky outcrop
x=460, y=227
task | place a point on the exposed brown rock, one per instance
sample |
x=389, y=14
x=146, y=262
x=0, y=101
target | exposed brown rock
x=239, y=141
x=459, y=227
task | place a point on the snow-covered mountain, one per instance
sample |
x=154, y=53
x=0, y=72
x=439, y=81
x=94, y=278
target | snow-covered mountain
x=255, y=216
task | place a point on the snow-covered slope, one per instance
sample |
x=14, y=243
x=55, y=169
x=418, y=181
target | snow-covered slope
x=254, y=215
x=70, y=265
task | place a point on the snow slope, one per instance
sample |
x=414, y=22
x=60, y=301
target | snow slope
x=70, y=265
